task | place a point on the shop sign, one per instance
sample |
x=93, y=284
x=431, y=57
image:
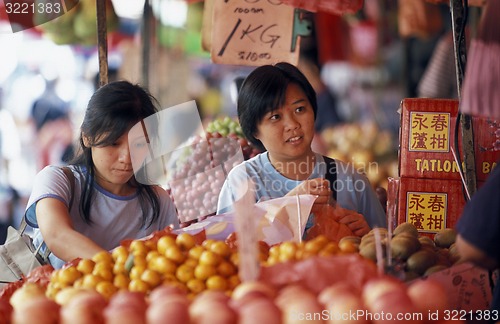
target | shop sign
x=256, y=32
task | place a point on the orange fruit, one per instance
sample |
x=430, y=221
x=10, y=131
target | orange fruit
x=151, y=277
x=217, y=283
x=85, y=266
x=120, y=254
x=165, y=242
x=220, y=248
x=204, y=271
x=103, y=270
x=106, y=288
x=196, y=285
x=185, y=241
x=137, y=285
x=121, y=281
x=102, y=256
x=209, y=258
x=226, y=269
x=184, y=273
x=136, y=272
x=175, y=254
x=162, y=265
x=69, y=275
x=90, y=281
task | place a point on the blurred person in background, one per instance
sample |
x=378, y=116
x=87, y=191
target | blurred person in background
x=50, y=116
x=10, y=149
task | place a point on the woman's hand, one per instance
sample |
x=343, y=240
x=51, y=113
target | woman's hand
x=319, y=187
x=355, y=221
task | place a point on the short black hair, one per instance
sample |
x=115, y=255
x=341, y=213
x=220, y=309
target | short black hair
x=264, y=90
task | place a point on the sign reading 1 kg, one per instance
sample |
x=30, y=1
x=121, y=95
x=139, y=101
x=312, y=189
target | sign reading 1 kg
x=253, y=32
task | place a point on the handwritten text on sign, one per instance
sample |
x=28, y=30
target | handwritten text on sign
x=253, y=32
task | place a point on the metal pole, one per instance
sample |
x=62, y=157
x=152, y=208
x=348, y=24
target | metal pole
x=146, y=36
x=102, y=42
x=458, y=25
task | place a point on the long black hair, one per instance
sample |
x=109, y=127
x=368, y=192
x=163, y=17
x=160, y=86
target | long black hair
x=264, y=90
x=112, y=110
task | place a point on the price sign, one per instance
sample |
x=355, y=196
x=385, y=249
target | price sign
x=26, y=14
x=256, y=32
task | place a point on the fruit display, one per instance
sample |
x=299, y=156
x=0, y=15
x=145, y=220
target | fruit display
x=374, y=300
x=77, y=26
x=176, y=260
x=192, y=279
x=412, y=255
x=369, y=149
x=198, y=175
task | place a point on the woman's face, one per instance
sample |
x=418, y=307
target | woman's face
x=287, y=132
x=113, y=166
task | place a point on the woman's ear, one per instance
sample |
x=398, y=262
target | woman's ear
x=86, y=141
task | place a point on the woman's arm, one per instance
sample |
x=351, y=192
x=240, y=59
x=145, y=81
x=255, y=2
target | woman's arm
x=58, y=233
x=469, y=252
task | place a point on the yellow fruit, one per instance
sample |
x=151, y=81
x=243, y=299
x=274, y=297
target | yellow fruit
x=233, y=281
x=196, y=285
x=136, y=272
x=217, y=283
x=195, y=252
x=348, y=246
x=287, y=250
x=121, y=281
x=184, y=273
x=226, y=269
x=120, y=254
x=152, y=254
x=106, y=289
x=162, y=265
x=119, y=267
x=103, y=270
x=185, y=241
x=313, y=247
x=191, y=262
x=220, y=248
x=165, y=242
x=209, y=258
x=85, y=266
x=102, y=256
x=330, y=248
x=138, y=247
x=175, y=254
x=274, y=250
x=204, y=271
x=68, y=276
x=151, y=277
x=91, y=281
x=207, y=243
x=140, y=260
x=137, y=285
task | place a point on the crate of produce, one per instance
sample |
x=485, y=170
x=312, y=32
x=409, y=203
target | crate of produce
x=427, y=140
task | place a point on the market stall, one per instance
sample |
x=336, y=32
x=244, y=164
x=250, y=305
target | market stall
x=257, y=263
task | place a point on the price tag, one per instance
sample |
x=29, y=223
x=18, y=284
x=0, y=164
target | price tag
x=246, y=233
x=256, y=32
x=26, y=14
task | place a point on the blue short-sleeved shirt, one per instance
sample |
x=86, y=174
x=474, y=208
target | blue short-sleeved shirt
x=354, y=191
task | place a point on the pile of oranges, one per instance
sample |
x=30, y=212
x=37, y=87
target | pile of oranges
x=177, y=260
x=146, y=264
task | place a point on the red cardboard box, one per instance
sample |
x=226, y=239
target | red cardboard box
x=427, y=136
x=431, y=205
